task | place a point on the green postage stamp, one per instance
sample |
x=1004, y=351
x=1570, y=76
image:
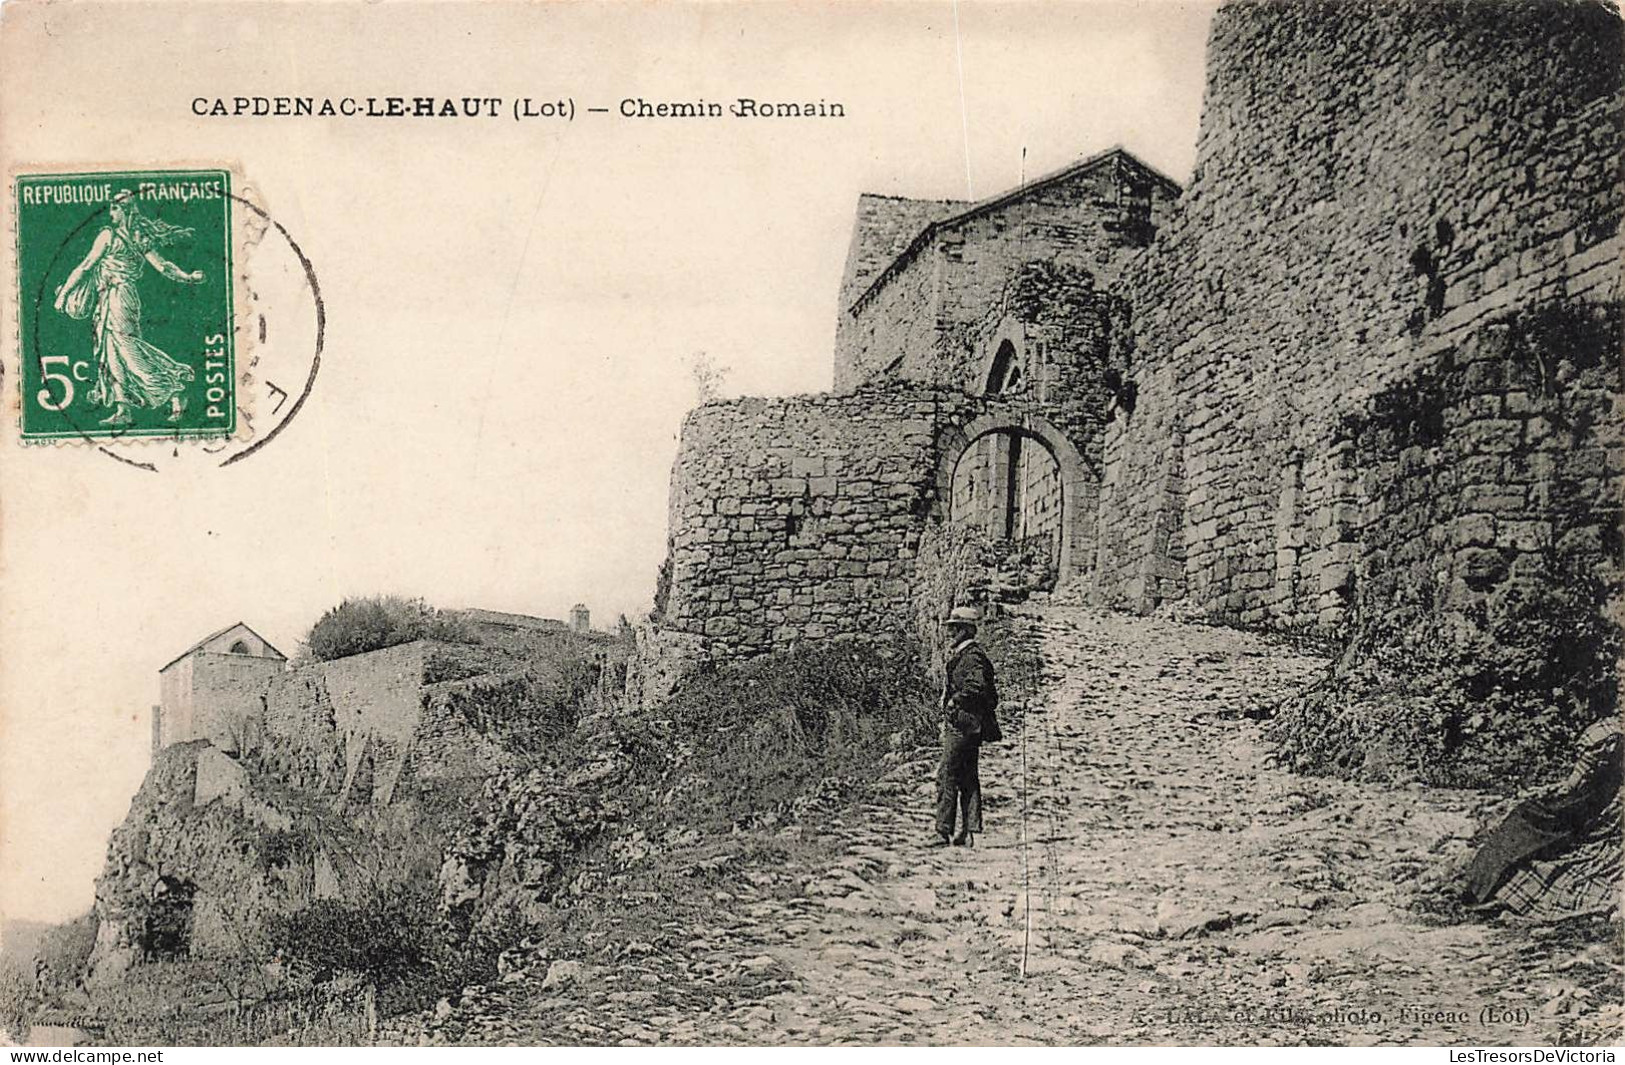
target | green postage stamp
x=125, y=304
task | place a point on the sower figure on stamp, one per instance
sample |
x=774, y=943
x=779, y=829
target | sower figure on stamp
x=968, y=699
x=129, y=370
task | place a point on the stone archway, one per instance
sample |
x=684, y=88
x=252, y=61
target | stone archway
x=1077, y=485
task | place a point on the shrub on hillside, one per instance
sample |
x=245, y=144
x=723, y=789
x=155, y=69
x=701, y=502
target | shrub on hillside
x=387, y=939
x=526, y=711
x=767, y=729
x=370, y=623
x=1492, y=699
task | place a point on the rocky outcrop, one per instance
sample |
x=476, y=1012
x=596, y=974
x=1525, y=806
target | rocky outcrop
x=198, y=863
x=511, y=855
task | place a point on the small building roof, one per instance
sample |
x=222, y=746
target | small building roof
x=854, y=292
x=216, y=635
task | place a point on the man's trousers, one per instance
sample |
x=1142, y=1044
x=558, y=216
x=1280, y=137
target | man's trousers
x=959, y=787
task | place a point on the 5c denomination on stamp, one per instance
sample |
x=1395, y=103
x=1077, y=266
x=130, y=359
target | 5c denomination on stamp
x=126, y=322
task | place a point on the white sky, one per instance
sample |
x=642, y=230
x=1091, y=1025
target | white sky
x=511, y=308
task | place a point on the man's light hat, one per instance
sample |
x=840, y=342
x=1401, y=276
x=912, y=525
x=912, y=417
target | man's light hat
x=963, y=615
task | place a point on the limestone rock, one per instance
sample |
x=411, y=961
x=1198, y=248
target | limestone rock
x=562, y=973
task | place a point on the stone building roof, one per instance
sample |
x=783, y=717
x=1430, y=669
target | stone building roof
x=222, y=632
x=905, y=247
x=882, y=230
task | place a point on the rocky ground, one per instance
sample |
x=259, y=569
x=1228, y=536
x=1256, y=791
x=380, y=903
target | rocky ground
x=1146, y=877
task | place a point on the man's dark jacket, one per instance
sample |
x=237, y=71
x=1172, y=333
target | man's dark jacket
x=970, y=695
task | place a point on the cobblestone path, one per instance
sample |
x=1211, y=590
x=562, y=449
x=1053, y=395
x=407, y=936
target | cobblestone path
x=1145, y=877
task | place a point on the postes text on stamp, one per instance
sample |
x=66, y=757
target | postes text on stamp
x=125, y=304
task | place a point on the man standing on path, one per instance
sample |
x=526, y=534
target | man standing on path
x=968, y=699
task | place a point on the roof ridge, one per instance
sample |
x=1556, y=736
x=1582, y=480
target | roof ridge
x=218, y=633
x=977, y=207
x=910, y=199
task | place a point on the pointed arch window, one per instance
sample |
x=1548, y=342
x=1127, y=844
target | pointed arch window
x=1005, y=374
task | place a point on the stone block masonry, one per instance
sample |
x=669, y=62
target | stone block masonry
x=800, y=518
x=1380, y=188
x=797, y=518
x=1501, y=459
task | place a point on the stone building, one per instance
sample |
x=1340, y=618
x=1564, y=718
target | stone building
x=1370, y=352
x=923, y=276
x=972, y=370
x=1003, y=297
x=208, y=690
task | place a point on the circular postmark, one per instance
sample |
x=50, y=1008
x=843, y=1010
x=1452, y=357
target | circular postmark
x=97, y=366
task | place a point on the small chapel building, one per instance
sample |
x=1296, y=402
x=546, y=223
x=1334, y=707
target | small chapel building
x=208, y=690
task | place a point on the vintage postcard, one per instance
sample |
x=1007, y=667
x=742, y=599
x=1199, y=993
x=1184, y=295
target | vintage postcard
x=1062, y=523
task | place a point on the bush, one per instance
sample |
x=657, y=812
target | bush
x=1491, y=698
x=386, y=939
x=767, y=729
x=371, y=623
x=525, y=711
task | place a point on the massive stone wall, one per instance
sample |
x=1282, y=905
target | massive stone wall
x=1385, y=194
x=797, y=518
x=1501, y=460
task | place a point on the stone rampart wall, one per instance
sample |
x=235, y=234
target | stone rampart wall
x=1379, y=187
x=798, y=518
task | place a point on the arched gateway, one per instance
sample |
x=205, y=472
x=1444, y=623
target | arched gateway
x=1077, y=484
x=800, y=517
